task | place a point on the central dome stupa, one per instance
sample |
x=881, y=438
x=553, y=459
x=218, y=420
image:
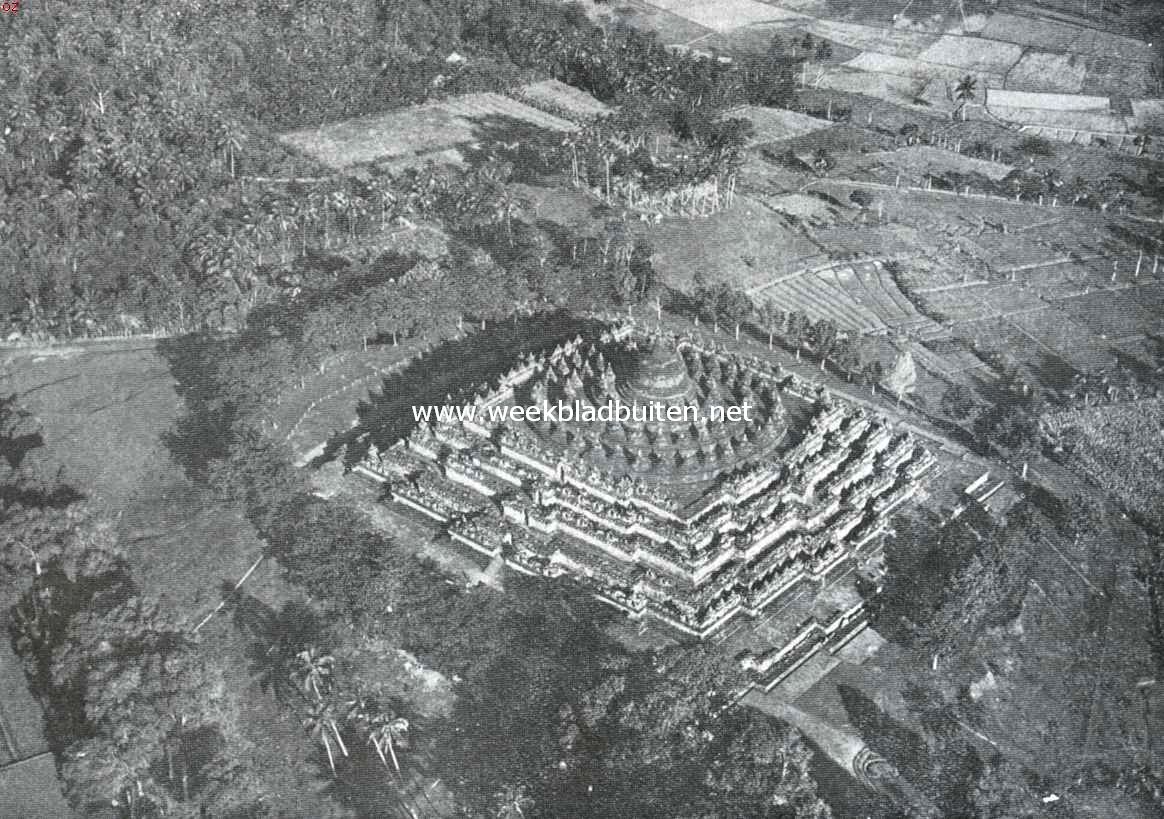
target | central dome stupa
x=659, y=376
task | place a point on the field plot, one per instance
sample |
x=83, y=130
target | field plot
x=988, y=301
x=1111, y=75
x=670, y=28
x=975, y=55
x=947, y=356
x=1121, y=447
x=1042, y=71
x=745, y=245
x=998, y=98
x=1081, y=348
x=859, y=298
x=919, y=93
x=774, y=124
x=1063, y=37
x=1149, y=114
x=1115, y=314
x=1055, y=122
x=817, y=298
x=915, y=162
x=858, y=242
x=415, y=133
x=906, y=67
x=559, y=95
x=871, y=38
x=810, y=209
x=724, y=15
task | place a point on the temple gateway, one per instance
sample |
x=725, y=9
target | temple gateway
x=693, y=522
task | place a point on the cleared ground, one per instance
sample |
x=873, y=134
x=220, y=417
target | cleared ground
x=411, y=135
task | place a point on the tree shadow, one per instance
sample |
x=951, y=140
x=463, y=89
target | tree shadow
x=277, y=636
x=1055, y=372
x=202, y=434
x=455, y=370
x=515, y=141
x=896, y=742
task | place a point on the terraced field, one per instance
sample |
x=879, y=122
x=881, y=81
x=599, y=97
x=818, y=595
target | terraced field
x=857, y=297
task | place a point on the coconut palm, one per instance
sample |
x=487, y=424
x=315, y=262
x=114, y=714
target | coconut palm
x=387, y=731
x=314, y=671
x=229, y=138
x=964, y=91
x=321, y=723
x=512, y=802
x=1141, y=141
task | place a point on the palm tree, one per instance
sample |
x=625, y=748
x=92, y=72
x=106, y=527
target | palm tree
x=964, y=91
x=230, y=138
x=512, y=802
x=387, y=731
x=313, y=670
x=1141, y=141
x=320, y=722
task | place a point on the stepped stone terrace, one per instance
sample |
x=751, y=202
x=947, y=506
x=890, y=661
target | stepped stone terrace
x=693, y=523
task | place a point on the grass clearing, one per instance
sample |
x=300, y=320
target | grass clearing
x=745, y=244
x=905, y=91
x=1050, y=35
x=103, y=409
x=976, y=55
x=775, y=124
x=915, y=162
x=670, y=28
x=724, y=15
x=559, y=95
x=411, y=135
x=904, y=67
x=1044, y=71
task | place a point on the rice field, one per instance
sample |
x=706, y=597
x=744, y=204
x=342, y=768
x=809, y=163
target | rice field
x=419, y=132
x=857, y=297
